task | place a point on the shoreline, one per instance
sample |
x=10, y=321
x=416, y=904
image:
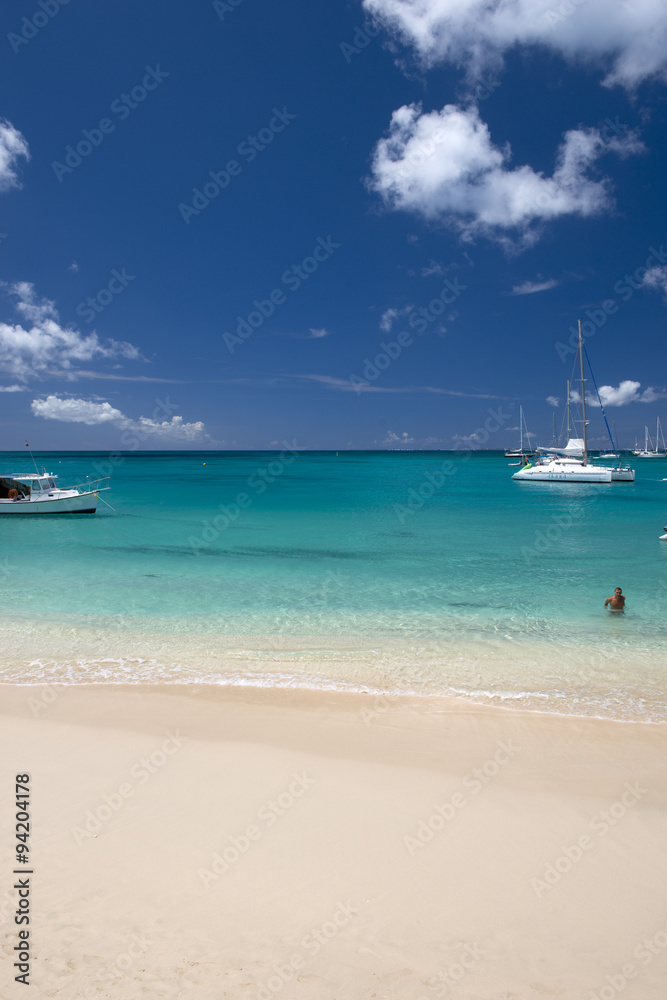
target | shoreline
x=595, y=681
x=305, y=844
x=270, y=684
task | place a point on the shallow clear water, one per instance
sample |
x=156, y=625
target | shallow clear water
x=387, y=571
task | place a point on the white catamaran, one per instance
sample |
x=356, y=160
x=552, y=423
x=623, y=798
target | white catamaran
x=570, y=465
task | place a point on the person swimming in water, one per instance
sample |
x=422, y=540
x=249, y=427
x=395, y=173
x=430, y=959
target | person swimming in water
x=617, y=601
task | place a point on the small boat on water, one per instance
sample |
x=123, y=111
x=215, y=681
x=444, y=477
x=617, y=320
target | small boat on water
x=570, y=464
x=647, y=452
x=39, y=493
x=521, y=452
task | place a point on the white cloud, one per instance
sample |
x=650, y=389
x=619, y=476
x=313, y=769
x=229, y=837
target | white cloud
x=317, y=334
x=85, y=411
x=443, y=165
x=12, y=146
x=433, y=267
x=401, y=439
x=628, y=41
x=387, y=319
x=531, y=287
x=465, y=440
x=346, y=385
x=656, y=278
x=623, y=394
x=43, y=346
x=553, y=400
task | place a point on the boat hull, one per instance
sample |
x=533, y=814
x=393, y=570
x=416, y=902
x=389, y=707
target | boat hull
x=74, y=503
x=588, y=474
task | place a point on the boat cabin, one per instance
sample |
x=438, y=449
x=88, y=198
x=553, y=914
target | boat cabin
x=38, y=483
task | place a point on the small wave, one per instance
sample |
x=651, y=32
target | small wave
x=620, y=705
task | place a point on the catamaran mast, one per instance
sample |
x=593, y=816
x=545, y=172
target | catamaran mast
x=583, y=392
x=568, y=409
x=521, y=430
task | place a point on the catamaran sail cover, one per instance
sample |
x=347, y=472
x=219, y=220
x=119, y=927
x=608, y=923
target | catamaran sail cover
x=573, y=449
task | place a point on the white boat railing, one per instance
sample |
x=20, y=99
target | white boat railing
x=91, y=485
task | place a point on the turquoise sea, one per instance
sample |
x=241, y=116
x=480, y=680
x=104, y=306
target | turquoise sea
x=422, y=572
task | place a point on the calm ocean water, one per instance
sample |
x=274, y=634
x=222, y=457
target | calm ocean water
x=423, y=572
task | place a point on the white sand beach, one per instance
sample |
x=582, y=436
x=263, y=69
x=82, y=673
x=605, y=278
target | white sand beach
x=230, y=842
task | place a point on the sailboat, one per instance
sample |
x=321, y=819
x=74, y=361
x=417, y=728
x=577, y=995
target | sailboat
x=647, y=452
x=611, y=454
x=574, y=447
x=565, y=467
x=520, y=453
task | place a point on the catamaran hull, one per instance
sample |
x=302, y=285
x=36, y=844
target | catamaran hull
x=78, y=503
x=537, y=475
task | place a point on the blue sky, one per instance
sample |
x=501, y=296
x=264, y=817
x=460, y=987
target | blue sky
x=214, y=216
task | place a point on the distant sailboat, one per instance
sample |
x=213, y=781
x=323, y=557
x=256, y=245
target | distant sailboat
x=611, y=454
x=520, y=453
x=648, y=452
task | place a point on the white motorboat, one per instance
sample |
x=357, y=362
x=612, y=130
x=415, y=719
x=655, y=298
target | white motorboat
x=39, y=493
x=570, y=464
